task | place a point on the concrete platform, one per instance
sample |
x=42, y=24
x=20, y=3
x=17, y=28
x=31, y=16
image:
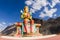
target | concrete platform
x=47, y=37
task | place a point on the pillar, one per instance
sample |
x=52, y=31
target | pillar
x=31, y=26
x=18, y=31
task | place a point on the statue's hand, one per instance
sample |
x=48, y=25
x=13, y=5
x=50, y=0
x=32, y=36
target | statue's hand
x=21, y=16
x=21, y=11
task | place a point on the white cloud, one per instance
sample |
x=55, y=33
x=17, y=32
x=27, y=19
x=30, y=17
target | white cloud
x=28, y=2
x=42, y=15
x=54, y=2
x=32, y=10
x=48, y=13
x=55, y=15
x=36, y=5
x=3, y=22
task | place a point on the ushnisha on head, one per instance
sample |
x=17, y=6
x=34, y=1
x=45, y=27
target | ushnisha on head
x=26, y=9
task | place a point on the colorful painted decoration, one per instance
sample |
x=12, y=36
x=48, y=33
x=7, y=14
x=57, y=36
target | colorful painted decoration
x=27, y=26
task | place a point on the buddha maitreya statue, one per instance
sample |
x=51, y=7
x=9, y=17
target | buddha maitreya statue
x=26, y=14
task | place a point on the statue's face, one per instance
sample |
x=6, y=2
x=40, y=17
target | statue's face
x=26, y=9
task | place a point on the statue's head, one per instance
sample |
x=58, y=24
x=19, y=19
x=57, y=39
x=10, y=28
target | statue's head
x=26, y=9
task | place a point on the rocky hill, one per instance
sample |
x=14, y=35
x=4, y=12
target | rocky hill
x=11, y=30
x=50, y=26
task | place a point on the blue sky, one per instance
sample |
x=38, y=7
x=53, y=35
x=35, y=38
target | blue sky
x=44, y=8
x=10, y=10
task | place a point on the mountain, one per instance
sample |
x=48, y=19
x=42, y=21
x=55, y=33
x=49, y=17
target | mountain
x=50, y=26
x=11, y=30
